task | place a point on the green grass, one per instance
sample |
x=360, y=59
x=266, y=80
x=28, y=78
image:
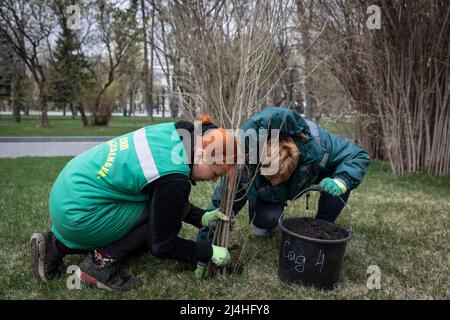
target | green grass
x=399, y=224
x=346, y=129
x=66, y=126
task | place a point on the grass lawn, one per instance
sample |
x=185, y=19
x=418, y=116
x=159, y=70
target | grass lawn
x=346, y=129
x=66, y=126
x=400, y=224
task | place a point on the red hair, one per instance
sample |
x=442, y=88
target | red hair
x=205, y=119
x=226, y=138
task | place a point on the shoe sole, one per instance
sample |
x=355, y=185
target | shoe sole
x=37, y=243
x=91, y=281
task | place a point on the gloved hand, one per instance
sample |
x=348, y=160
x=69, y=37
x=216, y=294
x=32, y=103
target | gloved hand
x=202, y=271
x=221, y=256
x=210, y=218
x=334, y=187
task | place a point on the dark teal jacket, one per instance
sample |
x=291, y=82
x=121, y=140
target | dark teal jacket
x=322, y=154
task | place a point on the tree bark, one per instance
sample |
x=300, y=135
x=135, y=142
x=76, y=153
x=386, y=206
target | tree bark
x=152, y=47
x=98, y=119
x=72, y=110
x=45, y=123
x=163, y=102
x=132, y=106
x=290, y=87
x=303, y=11
x=101, y=118
x=167, y=72
x=84, y=119
x=14, y=105
x=148, y=103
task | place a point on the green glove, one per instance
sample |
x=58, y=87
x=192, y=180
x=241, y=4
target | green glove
x=221, y=256
x=202, y=271
x=334, y=187
x=210, y=218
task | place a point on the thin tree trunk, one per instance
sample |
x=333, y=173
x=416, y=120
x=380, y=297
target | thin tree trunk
x=84, y=119
x=132, y=105
x=168, y=72
x=307, y=13
x=14, y=105
x=290, y=87
x=26, y=111
x=148, y=103
x=158, y=104
x=152, y=47
x=99, y=117
x=72, y=110
x=45, y=123
x=95, y=115
x=174, y=93
x=163, y=102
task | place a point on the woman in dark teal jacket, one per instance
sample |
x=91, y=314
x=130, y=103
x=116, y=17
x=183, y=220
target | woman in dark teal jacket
x=337, y=164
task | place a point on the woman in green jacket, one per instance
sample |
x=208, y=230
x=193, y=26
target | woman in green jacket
x=322, y=157
x=129, y=193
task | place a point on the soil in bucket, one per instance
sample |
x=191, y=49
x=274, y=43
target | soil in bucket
x=311, y=252
x=316, y=229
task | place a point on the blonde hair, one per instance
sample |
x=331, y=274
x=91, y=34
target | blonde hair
x=288, y=157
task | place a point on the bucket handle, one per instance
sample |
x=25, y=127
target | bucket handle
x=318, y=188
x=313, y=187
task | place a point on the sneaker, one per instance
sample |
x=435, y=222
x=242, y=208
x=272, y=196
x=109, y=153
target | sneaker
x=262, y=233
x=107, y=276
x=45, y=256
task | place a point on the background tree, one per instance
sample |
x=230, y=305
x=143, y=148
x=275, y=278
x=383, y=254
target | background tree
x=13, y=84
x=148, y=70
x=409, y=70
x=228, y=62
x=69, y=74
x=305, y=16
x=131, y=69
x=26, y=27
x=396, y=78
x=115, y=34
x=165, y=53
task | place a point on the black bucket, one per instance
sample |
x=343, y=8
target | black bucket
x=310, y=261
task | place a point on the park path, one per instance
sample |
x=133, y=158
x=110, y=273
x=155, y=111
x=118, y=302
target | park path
x=15, y=147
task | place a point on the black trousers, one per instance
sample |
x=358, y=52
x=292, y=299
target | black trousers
x=155, y=235
x=265, y=215
x=157, y=228
x=137, y=239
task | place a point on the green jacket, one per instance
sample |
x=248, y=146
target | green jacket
x=323, y=154
x=97, y=198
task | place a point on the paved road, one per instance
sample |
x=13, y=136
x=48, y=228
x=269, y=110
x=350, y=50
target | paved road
x=14, y=147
